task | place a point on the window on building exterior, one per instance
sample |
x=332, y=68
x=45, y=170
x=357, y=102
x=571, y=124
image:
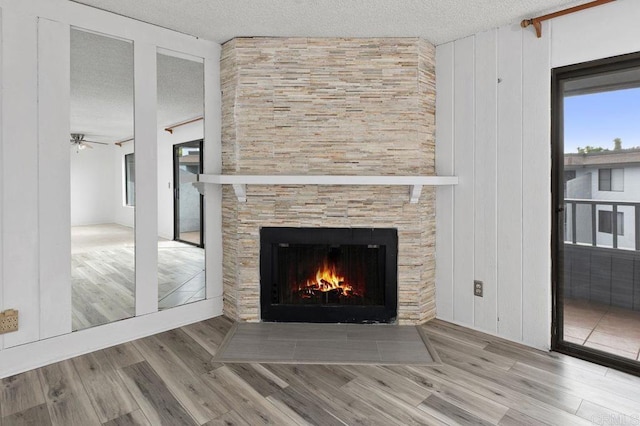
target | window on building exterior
x=605, y=222
x=611, y=179
x=130, y=179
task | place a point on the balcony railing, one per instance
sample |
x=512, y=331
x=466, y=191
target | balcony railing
x=582, y=224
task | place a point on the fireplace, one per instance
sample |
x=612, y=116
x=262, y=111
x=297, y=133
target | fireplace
x=328, y=274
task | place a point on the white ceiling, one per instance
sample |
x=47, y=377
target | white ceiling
x=102, y=67
x=438, y=21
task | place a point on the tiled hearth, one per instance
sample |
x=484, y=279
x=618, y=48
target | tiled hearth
x=328, y=107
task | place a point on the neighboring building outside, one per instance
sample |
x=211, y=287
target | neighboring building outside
x=608, y=176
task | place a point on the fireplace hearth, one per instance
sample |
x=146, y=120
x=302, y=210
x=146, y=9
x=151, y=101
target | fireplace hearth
x=328, y=274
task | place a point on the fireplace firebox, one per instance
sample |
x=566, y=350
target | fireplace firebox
x=328, y=274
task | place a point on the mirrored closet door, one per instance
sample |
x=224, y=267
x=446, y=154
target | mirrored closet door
x=103, y=192
x=181, y=251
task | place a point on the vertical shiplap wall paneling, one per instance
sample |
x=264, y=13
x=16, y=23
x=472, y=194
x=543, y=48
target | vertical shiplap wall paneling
x=607, y=30
x=493, y=107
x=510, y=194
x=146, y=214
x=20, y=174
x=444, y=194
x=53, y=177
x=464, y=135
x=213, y=165
x=536, y=188
x=485, y=223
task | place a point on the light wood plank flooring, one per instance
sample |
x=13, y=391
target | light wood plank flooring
x=171, y=379
x=103, y=274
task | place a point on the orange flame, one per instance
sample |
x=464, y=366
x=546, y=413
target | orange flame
x=327, y=279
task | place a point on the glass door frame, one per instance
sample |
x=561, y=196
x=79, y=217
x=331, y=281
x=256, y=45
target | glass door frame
x=176, y=191
x=558, y=76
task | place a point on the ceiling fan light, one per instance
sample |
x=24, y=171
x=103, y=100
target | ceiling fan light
x=82, y=145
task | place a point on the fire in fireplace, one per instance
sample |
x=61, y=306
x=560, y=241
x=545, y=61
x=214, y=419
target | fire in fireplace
x=328, y=274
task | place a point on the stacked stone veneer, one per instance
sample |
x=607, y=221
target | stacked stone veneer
x=328, y=106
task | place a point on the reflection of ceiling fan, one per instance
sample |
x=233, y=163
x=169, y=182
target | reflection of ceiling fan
x=78, y=140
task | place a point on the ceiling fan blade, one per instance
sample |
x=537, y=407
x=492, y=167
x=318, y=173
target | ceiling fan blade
x=101, y=143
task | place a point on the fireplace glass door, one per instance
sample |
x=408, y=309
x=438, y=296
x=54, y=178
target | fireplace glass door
x=328, y=274
x=322, y=274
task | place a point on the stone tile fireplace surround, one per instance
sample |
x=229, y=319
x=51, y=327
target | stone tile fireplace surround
x=328, y=106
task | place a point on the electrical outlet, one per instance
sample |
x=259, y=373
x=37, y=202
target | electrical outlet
x=477, y=288
x=8, y=321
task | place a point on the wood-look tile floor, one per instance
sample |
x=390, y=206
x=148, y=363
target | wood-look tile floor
x=103, y=274
x=170, y=379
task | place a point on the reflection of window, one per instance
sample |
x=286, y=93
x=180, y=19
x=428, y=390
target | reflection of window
x=605, y=222
x=130, y=179
x=611, y=179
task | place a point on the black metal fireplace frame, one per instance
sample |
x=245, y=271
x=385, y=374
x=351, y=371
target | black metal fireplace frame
x=273, y=236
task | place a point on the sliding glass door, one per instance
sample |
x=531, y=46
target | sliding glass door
x=596, y=178
x=188, y=202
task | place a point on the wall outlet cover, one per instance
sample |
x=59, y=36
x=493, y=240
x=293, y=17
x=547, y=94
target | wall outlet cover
x=8, y=321
x=477, y=288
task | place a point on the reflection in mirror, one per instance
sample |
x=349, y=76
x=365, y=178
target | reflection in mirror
x=102, y=179
x=181, y=254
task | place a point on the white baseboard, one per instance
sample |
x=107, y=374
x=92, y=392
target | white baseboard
x=545, y=348
x=26, y=357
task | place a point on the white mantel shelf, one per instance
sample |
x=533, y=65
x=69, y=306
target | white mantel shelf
x=239, y=182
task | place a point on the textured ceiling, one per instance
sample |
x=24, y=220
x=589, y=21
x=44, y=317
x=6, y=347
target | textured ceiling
x=102, y=88
x=438, y=21
x=102, y=68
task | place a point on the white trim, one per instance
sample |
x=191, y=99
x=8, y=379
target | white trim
x=213, y=164
x=54, y=177
x=27, y=357
x=146, y=155
x=180, y=55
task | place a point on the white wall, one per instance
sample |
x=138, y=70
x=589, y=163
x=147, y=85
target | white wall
x=493, y=131
x=92, y=185
x=35, y=199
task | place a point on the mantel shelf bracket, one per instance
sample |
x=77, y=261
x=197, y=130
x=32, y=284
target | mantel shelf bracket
x=416, y=190
x=537, y=21
x=241, y=192
x=199, y=186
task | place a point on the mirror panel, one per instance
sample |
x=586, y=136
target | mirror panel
x=102, y=179
x=181, y=252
